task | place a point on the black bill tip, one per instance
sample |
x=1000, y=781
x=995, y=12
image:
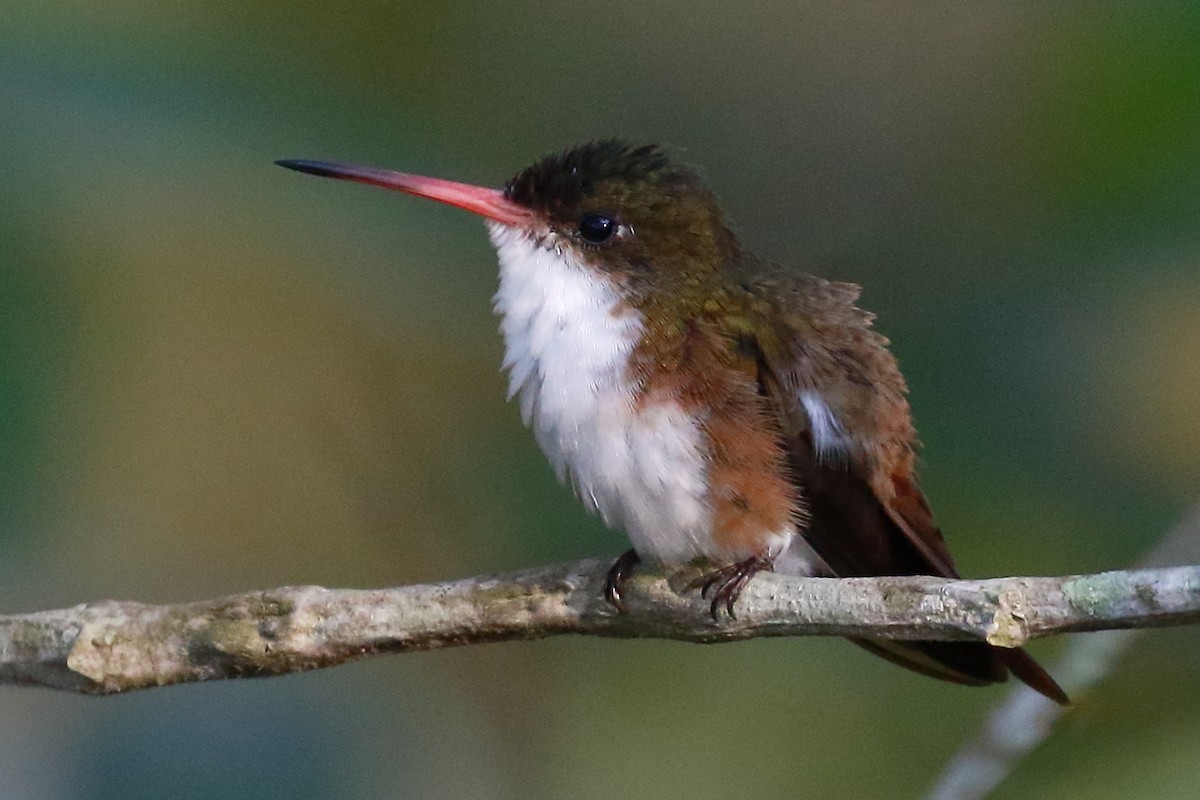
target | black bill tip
x=321, y=168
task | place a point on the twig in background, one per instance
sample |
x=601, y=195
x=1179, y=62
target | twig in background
x=1025, y=719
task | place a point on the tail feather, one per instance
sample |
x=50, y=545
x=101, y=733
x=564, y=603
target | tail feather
x=1033, y=675
x=866, y=518
x=967, y=663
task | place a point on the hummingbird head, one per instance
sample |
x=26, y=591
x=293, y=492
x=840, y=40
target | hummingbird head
x=616, y=208
x=625, y=208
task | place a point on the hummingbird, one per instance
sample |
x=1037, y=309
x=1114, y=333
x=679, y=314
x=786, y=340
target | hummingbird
x=719, y=409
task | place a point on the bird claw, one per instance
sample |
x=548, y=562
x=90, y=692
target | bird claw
x=727, y=583
x=618, y=573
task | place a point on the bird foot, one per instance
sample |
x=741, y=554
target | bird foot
x=727, y=583
x=617, y=575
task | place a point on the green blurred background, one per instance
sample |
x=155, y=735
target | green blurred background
x=216, y=375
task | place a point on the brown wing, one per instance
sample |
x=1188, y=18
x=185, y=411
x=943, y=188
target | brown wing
x=867, y=515
x=856, y=535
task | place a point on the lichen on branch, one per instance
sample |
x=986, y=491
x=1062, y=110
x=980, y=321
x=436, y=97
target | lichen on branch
x=116, y=646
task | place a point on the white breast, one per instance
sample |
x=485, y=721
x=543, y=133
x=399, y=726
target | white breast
x=568, y=340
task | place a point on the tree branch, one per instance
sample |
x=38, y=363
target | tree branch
x=113, y=646
x=1018, y=725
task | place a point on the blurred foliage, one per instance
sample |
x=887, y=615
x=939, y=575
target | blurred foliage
x=215, y=375
x=35, y=332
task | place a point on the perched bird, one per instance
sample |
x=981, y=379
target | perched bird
x=716, y=407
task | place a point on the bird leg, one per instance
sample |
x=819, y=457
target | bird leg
x=726, y=583
x=617, y=575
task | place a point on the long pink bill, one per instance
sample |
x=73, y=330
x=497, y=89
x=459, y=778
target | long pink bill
x=490, y=203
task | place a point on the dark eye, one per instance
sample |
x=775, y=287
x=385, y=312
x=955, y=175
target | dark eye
x=597, y=228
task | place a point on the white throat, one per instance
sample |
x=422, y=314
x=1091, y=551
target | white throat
x=568, y=339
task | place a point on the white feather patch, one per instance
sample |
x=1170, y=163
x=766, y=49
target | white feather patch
x=568, y=339
x=829, y=437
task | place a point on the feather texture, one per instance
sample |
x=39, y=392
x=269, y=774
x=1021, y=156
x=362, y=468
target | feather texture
x=867, y=514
